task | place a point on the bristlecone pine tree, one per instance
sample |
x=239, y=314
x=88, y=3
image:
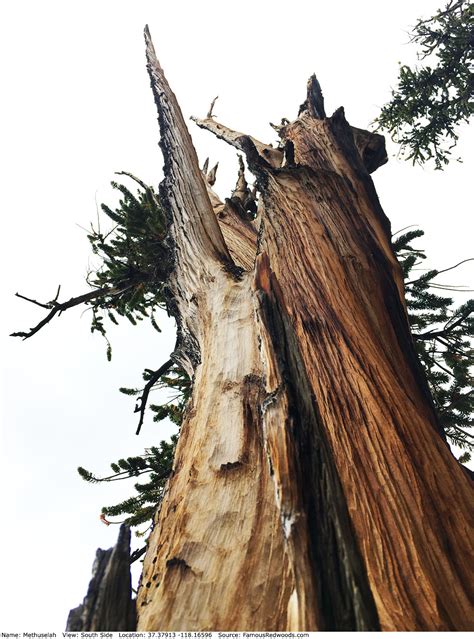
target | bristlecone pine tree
x=312, y=486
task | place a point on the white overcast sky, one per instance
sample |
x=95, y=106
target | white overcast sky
x=77, y=106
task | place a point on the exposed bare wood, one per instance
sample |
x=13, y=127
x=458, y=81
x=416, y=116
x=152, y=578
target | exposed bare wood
x=191, y=209
x=199, y=249
x=189, y=554
x=371, y=147
x=271, y=155
x=235, y=218
x=211, y=176
x=211, y=108
x=371, y=401
x=143, y=398
x=311, y=488
x=314, y=102
x=239, y=233
x=217, y=558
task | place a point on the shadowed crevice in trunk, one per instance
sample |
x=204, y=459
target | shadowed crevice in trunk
x=345, y=601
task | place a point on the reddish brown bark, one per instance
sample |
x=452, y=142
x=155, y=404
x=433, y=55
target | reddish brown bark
x=312, y=488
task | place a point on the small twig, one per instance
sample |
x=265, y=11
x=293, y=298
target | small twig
x=455, y=289
x=454, y=349
x=144, y=186
x=403, y=229
x=123, y=475
x=449, y=327
x=436, y=363
x=445, y=270
x=105, y=521
x=141, y=406
x=448, y=9
x=28, y=299
x=209, y=113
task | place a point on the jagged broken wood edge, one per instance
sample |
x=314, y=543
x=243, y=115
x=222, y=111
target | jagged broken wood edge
x=108, y=604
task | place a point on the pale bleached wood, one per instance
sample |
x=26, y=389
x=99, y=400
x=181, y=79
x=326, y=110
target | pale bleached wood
x=237, y=226
x=184, y=185
x=273, y=156
x=311, y=488
x=218, y=557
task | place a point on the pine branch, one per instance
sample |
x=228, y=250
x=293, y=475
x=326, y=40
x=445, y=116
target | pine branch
x=436, y=363
x=460, y=398
x=141, y=406
x=464, y=432
x=450, y=8
x=453, y=349
x=445, y=270
x=448, y=328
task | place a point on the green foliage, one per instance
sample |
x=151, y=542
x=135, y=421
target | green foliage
x=132, y=256
x=156, y=463
x=443, y=336
x=431, y=100
x=133, y=263
x=179, y=385
x=133, y=260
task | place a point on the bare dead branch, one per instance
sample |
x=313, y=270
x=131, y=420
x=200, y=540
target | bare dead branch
x=141, y=406
x=187, y=199
x=315, y=100
x=461, y=430
x=211, y=176
x=209, y=113
x=29, y=299
x=450, y=7
x=59, y=307
x=273, y=156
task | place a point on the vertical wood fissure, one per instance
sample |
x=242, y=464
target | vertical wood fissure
x=313, y=497
x=351, y=333
x=343, y=597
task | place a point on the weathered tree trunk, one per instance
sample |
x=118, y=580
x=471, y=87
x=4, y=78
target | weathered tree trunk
x=312, y=489
x=108, y=604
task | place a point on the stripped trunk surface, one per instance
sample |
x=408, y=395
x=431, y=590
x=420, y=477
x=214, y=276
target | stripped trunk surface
x=312, y=488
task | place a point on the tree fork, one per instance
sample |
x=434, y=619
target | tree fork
x=311, y=488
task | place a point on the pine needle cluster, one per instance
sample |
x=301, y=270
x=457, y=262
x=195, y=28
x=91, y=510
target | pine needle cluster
x=443, y=340
x=179, y=386
x=133, y=259
x=431, y=100
x=129, y=283
x=443, y=335
x=156, y=463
